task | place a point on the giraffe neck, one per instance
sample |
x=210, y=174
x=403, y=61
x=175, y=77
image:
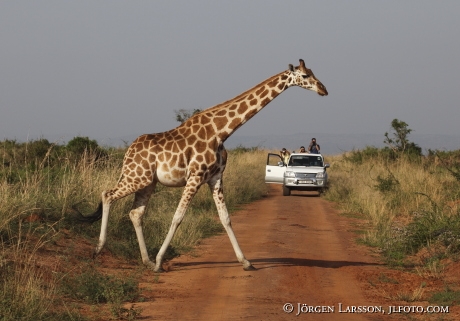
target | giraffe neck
x=228, y=116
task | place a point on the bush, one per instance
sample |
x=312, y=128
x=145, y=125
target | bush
x=434, y=227
x=386, y=183
x=32, y=153
x=369, y=153
x=79, y=147
x=240, y=149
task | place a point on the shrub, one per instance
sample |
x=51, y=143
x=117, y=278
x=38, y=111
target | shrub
x=80, y=147
x=369, y=153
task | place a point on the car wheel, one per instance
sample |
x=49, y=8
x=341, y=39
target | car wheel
x=286, y=191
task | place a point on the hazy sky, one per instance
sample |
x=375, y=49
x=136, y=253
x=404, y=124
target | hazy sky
x=108, y=69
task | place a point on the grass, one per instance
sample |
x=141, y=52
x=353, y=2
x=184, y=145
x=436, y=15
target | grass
x=385, y=279
x=413, y=296
x=447, y=297
x=410, y=206
x=433, y=268
x=24, y=294
x=94, y=287
x=27, y=292
x=408, y=202
x=42, y=180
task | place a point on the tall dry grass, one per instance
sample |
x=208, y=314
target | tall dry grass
x=406, y=200
x=25, y=292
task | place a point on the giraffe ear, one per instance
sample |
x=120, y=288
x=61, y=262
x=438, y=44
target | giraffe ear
x=302, y=63
x=291, y=67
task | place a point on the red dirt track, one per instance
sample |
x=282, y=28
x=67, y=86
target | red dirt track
x=304, y=253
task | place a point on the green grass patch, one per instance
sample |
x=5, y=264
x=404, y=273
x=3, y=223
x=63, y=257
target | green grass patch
x=93, y=287
x=448, y=297
x=386, y=279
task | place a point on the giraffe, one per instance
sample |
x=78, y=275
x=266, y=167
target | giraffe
x=192, y=155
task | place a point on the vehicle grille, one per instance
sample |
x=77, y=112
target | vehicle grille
x=305, y=175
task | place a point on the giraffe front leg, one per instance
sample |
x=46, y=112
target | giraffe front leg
x=136, y=218
x=190, y=190
x=218, y=195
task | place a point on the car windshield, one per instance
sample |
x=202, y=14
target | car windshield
x=300, y=160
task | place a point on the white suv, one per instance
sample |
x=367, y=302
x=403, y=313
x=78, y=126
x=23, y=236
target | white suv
x=304, y=172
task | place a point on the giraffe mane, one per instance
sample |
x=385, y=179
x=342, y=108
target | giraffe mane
x=240, y=96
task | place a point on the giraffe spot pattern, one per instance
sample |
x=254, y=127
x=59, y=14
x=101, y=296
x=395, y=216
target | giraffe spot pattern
x=243, y=107
x=253, y=102
x=235, y=122
x=201, y=133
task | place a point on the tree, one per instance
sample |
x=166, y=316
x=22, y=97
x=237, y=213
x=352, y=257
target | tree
x=400, y=142
x=183, y=114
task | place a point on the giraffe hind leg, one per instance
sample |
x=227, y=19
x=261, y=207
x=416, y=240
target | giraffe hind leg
x=108, y=197
x=106, y=202
x=136, y=214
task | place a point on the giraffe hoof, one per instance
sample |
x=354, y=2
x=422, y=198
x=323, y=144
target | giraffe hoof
x=249, y=268
x=159, y=270
x=150, y=265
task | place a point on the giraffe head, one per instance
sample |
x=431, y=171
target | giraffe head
x=304, y=77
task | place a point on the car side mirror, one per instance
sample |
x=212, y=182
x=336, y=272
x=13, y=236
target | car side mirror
x=327, y=165
x=280, y=164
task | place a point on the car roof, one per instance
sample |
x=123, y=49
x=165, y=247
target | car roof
x=305, y=154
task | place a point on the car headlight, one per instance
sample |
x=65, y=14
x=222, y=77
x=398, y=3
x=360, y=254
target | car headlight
x=289, y=174
x=320, y=175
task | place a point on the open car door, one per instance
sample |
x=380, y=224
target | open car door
x=274, y=170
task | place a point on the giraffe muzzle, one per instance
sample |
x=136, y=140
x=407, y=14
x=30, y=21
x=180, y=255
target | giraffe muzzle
x=322, y=91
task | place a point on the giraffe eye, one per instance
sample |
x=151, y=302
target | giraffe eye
x=305, y=76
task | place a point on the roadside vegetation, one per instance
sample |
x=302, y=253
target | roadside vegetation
x=46, y=270
x=409, y=201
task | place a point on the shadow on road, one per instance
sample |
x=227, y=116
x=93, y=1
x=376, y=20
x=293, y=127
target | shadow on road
x=268, y=263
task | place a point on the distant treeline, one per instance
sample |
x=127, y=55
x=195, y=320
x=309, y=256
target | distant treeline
x=42, y=152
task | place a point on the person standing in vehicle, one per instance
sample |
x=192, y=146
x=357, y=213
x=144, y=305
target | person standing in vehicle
x=314, y=148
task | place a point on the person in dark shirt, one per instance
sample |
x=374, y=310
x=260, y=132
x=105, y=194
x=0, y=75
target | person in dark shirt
x=314, y=148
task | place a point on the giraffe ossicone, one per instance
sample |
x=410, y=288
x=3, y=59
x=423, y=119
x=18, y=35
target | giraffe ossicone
x=191, y=155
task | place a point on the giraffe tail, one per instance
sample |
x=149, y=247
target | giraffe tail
x=91, y=218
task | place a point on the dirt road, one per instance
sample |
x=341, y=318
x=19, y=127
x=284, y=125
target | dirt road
x=304, y=253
